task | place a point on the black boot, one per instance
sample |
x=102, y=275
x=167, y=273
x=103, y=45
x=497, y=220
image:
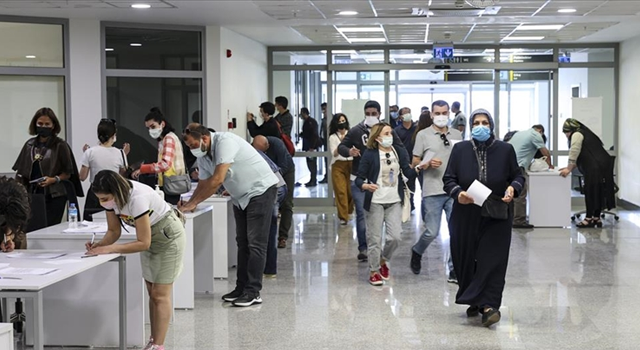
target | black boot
x=416, y=263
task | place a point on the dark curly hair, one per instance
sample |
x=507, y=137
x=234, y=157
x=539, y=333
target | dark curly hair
x=14, y=206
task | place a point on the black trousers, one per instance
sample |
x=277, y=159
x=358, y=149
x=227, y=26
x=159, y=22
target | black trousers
x=55, y=209
x=312, y=165
x=252, y=236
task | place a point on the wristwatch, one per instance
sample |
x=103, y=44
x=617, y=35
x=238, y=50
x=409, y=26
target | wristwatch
x=57, y=179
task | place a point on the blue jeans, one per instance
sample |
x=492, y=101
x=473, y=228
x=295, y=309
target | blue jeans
x=271, y=266
x=432, y=207
x=361, y=223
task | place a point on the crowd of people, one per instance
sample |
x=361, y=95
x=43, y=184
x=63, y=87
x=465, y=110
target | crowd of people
x=373, y=164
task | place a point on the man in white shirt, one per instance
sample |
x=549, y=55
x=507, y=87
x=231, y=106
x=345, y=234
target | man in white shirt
x=226, y=159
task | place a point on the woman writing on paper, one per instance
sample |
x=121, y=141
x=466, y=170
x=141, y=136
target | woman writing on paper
x=596, y=165
x=481, y=237
x=380, y=176
x=160, y=240
x=102, y=157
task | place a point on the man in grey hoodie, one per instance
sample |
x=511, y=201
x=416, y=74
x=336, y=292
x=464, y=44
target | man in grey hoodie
x=354, y=145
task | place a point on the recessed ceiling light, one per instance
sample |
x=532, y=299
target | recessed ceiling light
x=540, y=26
x=360, y=29
x=108, y=49
x=30, y=56
x=348, y=13
x=523, y=38
x=135, y=44
x=141, y=6
x=367, y=40
x=567, y=10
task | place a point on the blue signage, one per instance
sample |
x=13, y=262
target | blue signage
x=443, y=52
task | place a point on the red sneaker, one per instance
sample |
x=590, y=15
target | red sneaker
x=375, y=279
x=384, y=272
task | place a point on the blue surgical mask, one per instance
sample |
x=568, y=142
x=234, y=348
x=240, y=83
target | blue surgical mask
x=394, y=115
x=481, y=133
x=386, y=141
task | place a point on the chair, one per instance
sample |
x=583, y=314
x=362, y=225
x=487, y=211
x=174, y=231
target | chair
x=580, y=177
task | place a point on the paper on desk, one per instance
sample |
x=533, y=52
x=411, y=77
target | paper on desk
x=26, y=255
x=26, y=271
x=100, y=227
x=63, y=261
x=479, y=192
x=3, y=265
x=427, y=158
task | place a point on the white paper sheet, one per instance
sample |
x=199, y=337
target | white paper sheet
x=27, y=255
x=63, y=261
x=26, y=271
x=3, y=265
x=479, y=192
x=426, y=159
x=100, y=227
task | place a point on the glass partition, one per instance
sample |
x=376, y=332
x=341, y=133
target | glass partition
x=582, y=55
x=31, y=45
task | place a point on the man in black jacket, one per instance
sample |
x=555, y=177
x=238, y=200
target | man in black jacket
x=310, y=143
x=284, y=117
x=354, y=145
x=269, y=127
x=275, y=149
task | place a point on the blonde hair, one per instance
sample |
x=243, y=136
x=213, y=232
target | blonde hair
x=376, y=130
x=110, y=182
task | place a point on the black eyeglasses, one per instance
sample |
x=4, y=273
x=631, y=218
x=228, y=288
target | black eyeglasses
x=443, y=137
x=388, y=158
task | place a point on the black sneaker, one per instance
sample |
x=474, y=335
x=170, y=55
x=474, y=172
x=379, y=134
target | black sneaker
x=247, y=300
x=416, y=262
x=473, y=311
x=311, y=184
x=490, y=317
x=233, y=295
x=362, y=256
x=452, y=278
x=323, y=181
x=521, y=226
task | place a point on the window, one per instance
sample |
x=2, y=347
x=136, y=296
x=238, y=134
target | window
x=31, y=45
x=156, y=49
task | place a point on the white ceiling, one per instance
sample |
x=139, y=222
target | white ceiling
x=308, y=22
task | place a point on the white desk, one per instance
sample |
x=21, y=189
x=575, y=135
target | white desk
x=38, y=288
x=549, y=199
x=199, y=223
x=97, y=290
x=225, y=249
x=6, y=336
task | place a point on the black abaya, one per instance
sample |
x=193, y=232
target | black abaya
x=479, y=245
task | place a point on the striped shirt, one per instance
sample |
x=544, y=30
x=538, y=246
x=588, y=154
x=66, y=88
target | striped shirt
x=169, y=157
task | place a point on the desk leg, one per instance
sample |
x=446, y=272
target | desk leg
x=38, y=323
x=5, y=311
x=122, y=275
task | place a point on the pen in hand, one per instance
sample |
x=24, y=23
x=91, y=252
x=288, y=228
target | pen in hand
x=93, y=238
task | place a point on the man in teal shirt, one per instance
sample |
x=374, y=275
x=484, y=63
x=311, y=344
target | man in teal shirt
x=526, y=143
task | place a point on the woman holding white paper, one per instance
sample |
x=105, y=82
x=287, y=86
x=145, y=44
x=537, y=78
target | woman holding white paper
x=481, y=235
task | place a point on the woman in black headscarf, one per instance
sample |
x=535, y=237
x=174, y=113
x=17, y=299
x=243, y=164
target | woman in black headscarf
x=481, y=236
x=596, y=165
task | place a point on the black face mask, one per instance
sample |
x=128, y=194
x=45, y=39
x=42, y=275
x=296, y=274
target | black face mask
x=44, y=131
x=342, y=126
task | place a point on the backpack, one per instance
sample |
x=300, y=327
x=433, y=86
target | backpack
x=287, y=140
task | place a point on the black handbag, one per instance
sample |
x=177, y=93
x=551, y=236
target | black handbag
x=495, y=208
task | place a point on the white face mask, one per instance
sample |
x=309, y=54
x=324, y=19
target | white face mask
x=155, y=133
x=386, y=141
x=406, y=117
x=441, y=121
x=198, y=152
x=371, y=121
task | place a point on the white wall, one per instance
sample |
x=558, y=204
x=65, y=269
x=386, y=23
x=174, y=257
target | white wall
x=236, y=84
x=629, y=123
x=86, y=95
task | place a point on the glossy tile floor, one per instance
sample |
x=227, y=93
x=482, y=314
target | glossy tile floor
x=566, y=289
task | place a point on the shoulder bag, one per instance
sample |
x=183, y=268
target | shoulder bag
x=406, y=204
